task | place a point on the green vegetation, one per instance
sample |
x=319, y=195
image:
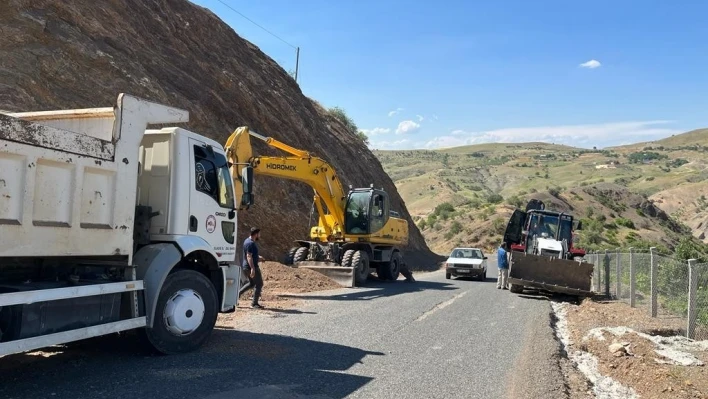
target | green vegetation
x=645, y=156
x=341, y=115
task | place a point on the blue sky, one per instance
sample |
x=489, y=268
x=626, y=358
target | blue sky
x=431, y=74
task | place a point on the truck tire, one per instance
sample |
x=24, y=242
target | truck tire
x=347, y=258
x=290, y=257
x=185, y=314
x=301, y=254
x=391, y=269
x=516, y=288
x=360, y=263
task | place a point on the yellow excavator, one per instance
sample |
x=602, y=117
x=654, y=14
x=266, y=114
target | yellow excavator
x=357, y=233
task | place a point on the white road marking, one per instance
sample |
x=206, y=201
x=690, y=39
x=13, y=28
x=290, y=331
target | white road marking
x=441, y=306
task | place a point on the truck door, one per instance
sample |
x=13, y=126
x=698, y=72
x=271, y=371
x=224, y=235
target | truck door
x=211, y=200
x=514, y=228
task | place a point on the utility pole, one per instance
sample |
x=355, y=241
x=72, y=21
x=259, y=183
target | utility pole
x=297, y=62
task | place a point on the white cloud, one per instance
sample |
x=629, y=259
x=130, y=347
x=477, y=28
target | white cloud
x=395, y=111
x=435, y=117
x=406, y=127
x=592, y=64
x=600, y=135
x=420, y=118
x=376, y=131
x=391, y=145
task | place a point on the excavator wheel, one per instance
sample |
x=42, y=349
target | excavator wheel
x=390, y=270
x=301, y=254
x=347, y=258
x=290, y=257
x=360, y=263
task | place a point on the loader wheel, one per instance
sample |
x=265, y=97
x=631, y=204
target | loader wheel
x=390, y=270
x=185, y=313
x=290, y=257
x=360, y=263
x=516, y=288
x=301, y=254
x=347, y=258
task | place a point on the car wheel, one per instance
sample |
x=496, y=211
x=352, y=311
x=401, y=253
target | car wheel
x=447, y=276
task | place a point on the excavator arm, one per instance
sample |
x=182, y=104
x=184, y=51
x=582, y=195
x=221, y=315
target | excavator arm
x=299, y=166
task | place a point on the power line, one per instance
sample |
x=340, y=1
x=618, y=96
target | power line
x=254, y=23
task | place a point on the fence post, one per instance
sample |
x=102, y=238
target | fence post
x=598, y=275
x=632, y=279
x=606, y=264
x=619, y=276
x=692, y=308
x=654, y=283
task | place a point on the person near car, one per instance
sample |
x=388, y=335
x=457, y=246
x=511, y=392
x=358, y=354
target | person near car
x=251, y=265
x=503, y=266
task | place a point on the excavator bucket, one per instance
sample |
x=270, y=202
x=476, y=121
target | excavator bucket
x=551, y=274
x=344, y=276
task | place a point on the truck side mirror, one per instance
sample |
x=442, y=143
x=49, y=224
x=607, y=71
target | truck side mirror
x=247, y=184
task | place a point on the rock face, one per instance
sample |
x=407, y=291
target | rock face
x=81, y=53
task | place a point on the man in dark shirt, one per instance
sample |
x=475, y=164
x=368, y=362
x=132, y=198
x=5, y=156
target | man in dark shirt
x=251, y=267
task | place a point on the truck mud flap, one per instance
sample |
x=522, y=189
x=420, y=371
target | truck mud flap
x=558, y=275
x=344, y=276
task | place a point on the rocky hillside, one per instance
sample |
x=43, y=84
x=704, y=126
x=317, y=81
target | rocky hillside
x=82, y=53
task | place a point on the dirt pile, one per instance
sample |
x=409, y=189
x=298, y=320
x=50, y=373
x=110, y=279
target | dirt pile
x=81, y=53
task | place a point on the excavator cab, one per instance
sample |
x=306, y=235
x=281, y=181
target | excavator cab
x=367, y=211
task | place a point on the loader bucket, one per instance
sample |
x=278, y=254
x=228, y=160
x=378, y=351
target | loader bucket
x=556, y=275
x=344, y=276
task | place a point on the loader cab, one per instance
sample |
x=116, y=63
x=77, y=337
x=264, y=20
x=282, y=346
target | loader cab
x=367, y=211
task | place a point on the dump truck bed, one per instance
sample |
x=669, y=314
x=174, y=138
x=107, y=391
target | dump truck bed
x=68, y=178
x=551, y=274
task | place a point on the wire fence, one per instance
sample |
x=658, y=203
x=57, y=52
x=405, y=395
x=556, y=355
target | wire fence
x=674, y=291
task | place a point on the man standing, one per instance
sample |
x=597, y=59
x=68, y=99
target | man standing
x=503, y=266
x=250, y=265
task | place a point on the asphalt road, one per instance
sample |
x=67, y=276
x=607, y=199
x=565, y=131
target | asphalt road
x=435, y=338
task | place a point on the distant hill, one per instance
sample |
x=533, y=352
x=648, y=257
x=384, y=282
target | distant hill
x=642, y=194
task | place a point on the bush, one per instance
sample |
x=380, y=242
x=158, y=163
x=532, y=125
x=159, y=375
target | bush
x=363, y=137
x=342, y=116
x=515, y=201
x=554, y=191
x=625, y=222
x=456, y=228
x=495, y=198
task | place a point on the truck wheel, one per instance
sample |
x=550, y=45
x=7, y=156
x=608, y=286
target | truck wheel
x=516, y=288
x=301, y=254
x=391, y=269
x=185, y=314
x=290, y=257
x=360, y=263
x=347, y=258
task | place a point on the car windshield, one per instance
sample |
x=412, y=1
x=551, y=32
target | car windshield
x=467, y=253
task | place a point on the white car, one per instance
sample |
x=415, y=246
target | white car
x=466, y=262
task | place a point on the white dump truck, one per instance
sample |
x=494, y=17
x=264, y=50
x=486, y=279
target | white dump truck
x=107, y=226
